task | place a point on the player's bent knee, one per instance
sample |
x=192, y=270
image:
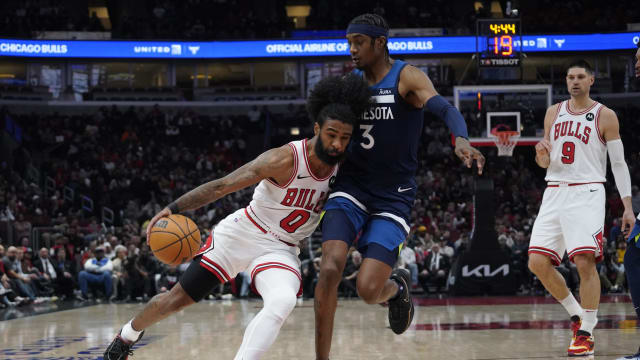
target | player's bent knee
x=281, y=305
x=368, y=293
x=330, y=274
x=539, y=264
x=585, y=262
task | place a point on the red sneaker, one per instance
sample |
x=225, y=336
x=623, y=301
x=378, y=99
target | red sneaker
x=581, y=345
x=575, y=326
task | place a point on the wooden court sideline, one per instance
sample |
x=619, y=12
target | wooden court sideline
x=457, y=328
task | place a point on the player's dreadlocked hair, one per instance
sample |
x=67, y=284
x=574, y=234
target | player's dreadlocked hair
x=375, y=20
x=341, y=98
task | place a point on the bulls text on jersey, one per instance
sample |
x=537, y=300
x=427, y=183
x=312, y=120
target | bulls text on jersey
x=569, y=128
x=298, y=198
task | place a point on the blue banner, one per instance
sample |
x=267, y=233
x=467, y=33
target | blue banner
x=298, y=48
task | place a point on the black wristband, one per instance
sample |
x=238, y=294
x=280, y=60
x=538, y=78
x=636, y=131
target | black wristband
x=174, y=208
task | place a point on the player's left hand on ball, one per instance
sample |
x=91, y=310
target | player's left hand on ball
x=163, y=213
x=628, y=220
x=468, y=153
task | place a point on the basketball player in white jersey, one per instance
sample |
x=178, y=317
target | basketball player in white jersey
x=578, y=134
x=262, y=239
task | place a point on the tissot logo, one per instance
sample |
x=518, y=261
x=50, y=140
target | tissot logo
x=194, y=49
x=485, y=271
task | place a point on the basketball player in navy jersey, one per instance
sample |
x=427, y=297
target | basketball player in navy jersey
x=376, y=187
x=632, y=255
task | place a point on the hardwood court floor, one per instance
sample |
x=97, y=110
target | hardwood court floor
x=457, y=328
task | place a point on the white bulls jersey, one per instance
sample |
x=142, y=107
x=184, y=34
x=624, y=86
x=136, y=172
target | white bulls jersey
x=291, y=212
x=578, y=150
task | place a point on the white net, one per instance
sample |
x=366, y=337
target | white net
x=506, y=141
x=516, y=108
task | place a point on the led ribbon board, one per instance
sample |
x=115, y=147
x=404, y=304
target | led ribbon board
x=303, y=48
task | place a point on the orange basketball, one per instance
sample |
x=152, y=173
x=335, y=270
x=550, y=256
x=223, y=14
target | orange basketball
x=174, y=239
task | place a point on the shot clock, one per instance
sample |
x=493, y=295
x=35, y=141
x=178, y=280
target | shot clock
x=498, y=43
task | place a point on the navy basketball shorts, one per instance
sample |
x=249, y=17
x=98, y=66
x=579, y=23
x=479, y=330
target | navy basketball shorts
x=378, y=237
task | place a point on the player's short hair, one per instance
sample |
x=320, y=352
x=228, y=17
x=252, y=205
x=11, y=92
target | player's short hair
x=374, y=20
x=341, y=98
x=581, y=64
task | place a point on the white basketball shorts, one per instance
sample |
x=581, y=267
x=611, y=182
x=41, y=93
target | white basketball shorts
x=238, y=245
x=571, y=218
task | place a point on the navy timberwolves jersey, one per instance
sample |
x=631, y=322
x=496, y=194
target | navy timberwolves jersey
x=382, y=157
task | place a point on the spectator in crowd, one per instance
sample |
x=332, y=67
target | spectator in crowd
x=66, y=274
x=8, y=297
x=22, y=228
x=140, y=274
x=119, y=274
x=97, y=271
x=42, y=283
x=108, y=250
x=621, y=250
x=5, y=286
x=45, y=267
x=614, y=232
x=62, y=242
x=434, y=269
x=5, y=291
x=19, y=280
x=611, y=273
x=170, y=277
x=407, y=260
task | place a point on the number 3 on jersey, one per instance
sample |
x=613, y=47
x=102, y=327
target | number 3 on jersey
x=368, y=143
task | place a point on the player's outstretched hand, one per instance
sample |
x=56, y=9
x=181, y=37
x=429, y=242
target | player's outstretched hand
x=628, y=220
x=163, y=213
x=543, y=147
x=468, y=153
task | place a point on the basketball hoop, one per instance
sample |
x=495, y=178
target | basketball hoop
x=506, y=141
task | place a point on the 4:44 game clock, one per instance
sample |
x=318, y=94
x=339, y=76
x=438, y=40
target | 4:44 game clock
x=498, y=42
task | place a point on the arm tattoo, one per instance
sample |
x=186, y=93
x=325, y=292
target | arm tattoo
x=266, y=165
x=200, y=196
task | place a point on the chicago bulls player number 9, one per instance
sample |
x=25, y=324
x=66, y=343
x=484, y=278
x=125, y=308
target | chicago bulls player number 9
x=579, y=133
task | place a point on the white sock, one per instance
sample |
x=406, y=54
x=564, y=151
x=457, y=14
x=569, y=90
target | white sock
x=589, y=320
x=128, y=333
x=572, y=306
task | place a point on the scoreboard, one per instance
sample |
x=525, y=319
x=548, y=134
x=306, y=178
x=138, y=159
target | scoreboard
x=498, y=43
